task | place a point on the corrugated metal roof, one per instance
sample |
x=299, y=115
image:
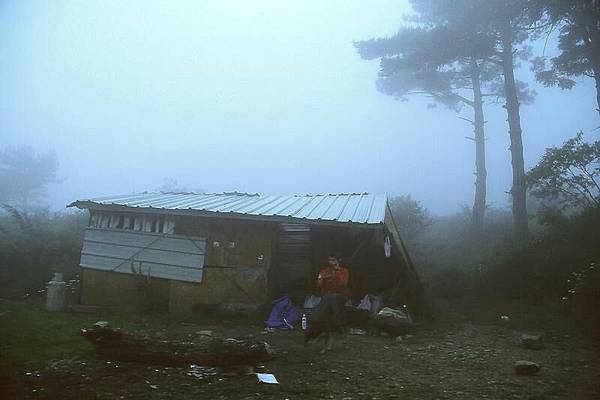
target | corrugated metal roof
x=364, y=208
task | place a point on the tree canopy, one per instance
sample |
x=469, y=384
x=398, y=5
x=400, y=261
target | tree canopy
x=578, y=23
x=409, y=214
x=569, y=175
x=25, y=175
x=429, y=60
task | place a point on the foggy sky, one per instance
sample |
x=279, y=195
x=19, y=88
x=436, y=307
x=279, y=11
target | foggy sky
x=258, y=96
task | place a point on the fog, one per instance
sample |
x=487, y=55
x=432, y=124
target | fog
x=261, y=96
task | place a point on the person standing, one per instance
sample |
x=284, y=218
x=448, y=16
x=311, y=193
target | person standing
x=333, y=279
x=328, y=316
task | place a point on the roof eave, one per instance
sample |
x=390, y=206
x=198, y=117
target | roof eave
x=89, y=205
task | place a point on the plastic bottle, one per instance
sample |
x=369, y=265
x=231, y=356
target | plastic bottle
x=304, y=322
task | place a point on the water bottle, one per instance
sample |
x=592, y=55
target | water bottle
x=304, y=322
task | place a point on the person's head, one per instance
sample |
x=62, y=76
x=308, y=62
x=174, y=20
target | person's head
x=333, y=261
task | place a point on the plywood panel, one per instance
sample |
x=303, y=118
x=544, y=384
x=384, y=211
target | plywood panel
x=103, y=288
x=231, y=243
x=232, y=285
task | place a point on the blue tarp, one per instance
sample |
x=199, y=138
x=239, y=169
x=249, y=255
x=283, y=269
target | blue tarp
x=283, y=315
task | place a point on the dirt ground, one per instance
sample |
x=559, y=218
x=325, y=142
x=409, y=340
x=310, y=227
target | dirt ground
x=449, y=360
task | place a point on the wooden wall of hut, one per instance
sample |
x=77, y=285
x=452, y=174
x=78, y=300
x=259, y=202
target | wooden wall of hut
x=253, y=262
x=238, y=258
x=113, y=289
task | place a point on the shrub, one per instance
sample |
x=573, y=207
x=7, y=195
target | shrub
x=34, y=245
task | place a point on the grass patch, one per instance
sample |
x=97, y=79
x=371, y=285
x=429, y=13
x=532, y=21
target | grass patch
x=30, y=334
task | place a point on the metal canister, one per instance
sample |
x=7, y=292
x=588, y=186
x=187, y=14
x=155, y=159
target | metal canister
x=55, y=300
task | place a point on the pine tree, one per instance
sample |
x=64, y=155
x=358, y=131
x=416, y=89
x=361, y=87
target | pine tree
x=507, y=24
x=442, y=64
x=578, y=42
x=447, y=55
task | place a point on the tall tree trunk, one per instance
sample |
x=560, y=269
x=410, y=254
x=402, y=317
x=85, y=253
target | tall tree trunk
x=588, y=26
x=480, y=171
x=597, y=78
x=518, y=190
x=593, y=48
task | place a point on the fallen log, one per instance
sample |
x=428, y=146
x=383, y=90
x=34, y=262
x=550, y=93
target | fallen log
x=115, y=344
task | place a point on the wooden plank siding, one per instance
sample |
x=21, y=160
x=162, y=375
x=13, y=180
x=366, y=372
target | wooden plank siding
x=156, y=255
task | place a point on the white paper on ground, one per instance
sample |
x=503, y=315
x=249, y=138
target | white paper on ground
x=267, y=378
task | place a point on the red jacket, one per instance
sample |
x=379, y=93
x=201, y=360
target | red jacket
x=330, y=281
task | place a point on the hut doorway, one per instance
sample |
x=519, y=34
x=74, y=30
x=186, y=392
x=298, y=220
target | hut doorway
x=293, y=274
